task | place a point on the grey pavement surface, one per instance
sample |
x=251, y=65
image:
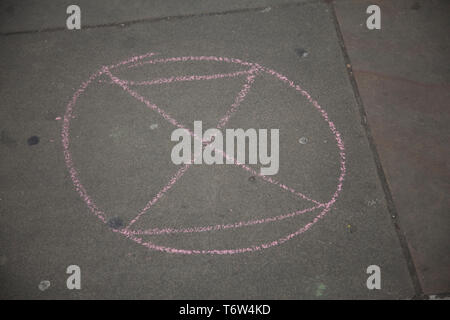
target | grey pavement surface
x=121, y=150
x=404, y=82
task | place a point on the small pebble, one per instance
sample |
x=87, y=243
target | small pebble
x=303, y=140
x=44, y=285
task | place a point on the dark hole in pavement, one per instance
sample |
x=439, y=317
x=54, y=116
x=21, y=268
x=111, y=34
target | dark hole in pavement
x=115, y=223
x=302, y=53
x=33, y=140
x=252, y=179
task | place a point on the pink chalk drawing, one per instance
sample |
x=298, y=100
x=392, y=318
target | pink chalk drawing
x=252, y=71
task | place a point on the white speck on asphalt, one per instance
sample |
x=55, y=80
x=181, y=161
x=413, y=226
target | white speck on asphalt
x=44, y=285
x=303, y=140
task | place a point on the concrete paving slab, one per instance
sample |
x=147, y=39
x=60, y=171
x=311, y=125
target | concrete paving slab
x=121, y=151
x=402, y=74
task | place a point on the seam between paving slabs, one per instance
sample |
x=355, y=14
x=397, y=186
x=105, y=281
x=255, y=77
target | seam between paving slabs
x=165, y=18
x=387, y=192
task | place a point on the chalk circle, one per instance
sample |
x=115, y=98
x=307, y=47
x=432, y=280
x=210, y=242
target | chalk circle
x=131, y=234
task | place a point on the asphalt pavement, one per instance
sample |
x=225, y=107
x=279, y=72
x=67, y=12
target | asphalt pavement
x=86, y=176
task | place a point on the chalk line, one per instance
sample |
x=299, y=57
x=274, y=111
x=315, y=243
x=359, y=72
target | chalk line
x=158, y=196
x=238, y=100
x=158, y=231
x=185, y=78
x=137, y=61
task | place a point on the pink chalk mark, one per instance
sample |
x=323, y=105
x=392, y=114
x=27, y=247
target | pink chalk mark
x=237, y=102
x=158, y=196
x=157, y=231
x=131, y=60
x=195, y=58
x=222, y=122
x=68, y=156
x=254, y=248
x=150, y=105
x=187, y=78
x=182, y=78
x=135, y=61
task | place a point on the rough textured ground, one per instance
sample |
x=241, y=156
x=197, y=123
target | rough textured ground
x=383, y=93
